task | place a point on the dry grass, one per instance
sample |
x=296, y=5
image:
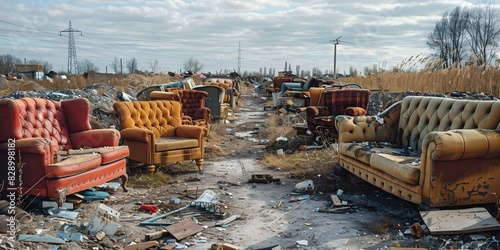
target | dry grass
x=145, y=180
x=303, y=163
x=214, y=139
x=276, y=126
x=467, y=79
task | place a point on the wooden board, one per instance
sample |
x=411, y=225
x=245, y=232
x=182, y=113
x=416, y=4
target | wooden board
x=335, y=200
x=184, y=229
x=470, y=220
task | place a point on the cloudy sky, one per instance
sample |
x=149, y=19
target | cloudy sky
x=269, y=32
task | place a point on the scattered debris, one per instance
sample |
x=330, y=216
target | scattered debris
x=469, y=220
x=70, y=236
x=224, y=246
x=227, y=220
x=149, y=208
x=142, y=245
x=103, y=219
x=262, y=178
x=305, y=186
x=41, y=239
x=302, y=242
x=184, y=229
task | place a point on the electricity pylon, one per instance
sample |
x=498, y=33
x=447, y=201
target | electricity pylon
x=72, y=60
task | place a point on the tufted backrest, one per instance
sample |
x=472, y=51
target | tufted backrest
x=422, y=114
x=339, y=100
x=37, y=117
x=160, y=116
x=191, y=100
x=218, y=81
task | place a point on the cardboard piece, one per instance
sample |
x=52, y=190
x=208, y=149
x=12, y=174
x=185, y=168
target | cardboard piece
x=184, y=229
x=460, y=221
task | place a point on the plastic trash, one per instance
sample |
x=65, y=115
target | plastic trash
x=304, y=186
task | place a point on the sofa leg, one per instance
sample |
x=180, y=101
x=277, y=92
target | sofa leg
x=199, y=163
x=61, y=197
x=124, y=179
x=151, y=169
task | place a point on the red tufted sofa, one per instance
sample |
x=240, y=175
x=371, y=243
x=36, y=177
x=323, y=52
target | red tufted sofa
x=61, y=154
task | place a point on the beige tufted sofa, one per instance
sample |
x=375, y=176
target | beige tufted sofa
x=433, y=151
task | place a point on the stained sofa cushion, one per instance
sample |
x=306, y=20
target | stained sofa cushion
x=173, y=143
x=108, y=154
x=400, y=167
x=356, y=151
x=73, y=165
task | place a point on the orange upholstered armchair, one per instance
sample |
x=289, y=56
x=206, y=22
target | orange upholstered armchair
x=59, y=152
x=154, y=133
x=193, y=108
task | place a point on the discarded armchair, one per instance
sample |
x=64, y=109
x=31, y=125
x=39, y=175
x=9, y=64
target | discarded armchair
x=193, y=108
x=53, y=149
x=434, y=151
x=336, y=102
x=154, y=133
x=214, y=101
x=297, y=88
x=231, y=89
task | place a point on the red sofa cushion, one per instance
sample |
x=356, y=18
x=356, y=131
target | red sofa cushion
x=73, y=165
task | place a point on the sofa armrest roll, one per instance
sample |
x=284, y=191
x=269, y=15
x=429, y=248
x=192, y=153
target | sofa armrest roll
x=138, y=134
x=463, y=144
x=195, y=132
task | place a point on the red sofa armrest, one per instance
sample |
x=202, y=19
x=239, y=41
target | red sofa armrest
x=95, y=138
x=202, y=113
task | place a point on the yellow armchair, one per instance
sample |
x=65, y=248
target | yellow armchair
x=154, y=132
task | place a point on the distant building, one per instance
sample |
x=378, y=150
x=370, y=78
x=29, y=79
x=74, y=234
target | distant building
x=33, y=71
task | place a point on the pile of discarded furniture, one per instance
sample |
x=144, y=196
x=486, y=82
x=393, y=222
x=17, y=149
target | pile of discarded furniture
x=52, y=150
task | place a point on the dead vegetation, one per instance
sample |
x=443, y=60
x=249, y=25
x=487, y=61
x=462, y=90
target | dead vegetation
x=405, y=78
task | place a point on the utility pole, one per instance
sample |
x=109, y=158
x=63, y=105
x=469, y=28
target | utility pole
x=72, y=60
x=335, y=42
x=239, y=58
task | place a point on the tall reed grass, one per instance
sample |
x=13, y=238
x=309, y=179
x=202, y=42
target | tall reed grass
x=406, y=78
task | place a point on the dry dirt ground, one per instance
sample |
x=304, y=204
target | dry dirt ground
x=267, y=217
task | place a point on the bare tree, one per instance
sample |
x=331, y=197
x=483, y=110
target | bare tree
x=192, y=65
x=87, y=66
x=484, y=33
x=115, y=65
x=154, y=65
x=448, y=37
x=8, y=63
x=132, y=65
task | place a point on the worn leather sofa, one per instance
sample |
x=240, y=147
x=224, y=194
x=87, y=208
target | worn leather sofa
x=154, y=133
x=433, y=151
x=54, y=148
